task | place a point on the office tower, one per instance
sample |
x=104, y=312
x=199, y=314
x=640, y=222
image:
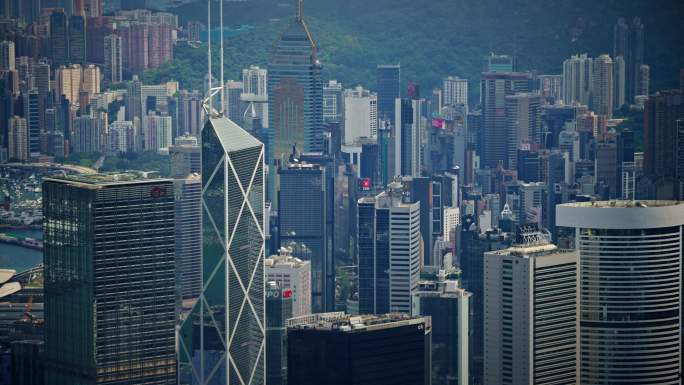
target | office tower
x=279, y=306
x=185, y=157
x=390, y=251
x=93, y=8
x=112, y=59
x=17, y=145
x=606, y=167
x=529, y=165
x=577, y=79
x=225, y=329
x=628, y=42
x=644, y=80
x=303, y=214
x=360, y=114
x=498, y=63
x=91, y=79
x=449, y=307
x=77, y=39
x=189, y=112
x=530, y=316
x=333, y=102
x=443, y=193
x=88, y=133
x=554, y=121
x=523, y=124
x=407, y=136
x=455, y=91
x=602, y=86
x=160, y=44
x=630, y=285
x=188, y=236
x=255, y=92
x=134, y=101
x=293, y=274
x=419, y=190
x=32, y=113
x=494, y=88
x=556, y=190
x=661, y=143
x=295, y=92
x=59, y=38
x=551, y=88
x=109, y=297
x=388, y=86
x=156, y=133
x=336, y=349
x=7, y=55
x=68, y=81
x=234, y=108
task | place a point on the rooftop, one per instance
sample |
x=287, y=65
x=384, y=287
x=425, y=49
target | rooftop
x=624, y=204
x=107, y=179
x=338, y=321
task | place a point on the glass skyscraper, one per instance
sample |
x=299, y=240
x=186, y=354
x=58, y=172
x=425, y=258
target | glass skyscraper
x=295, y=93
x=109, y=280
x=388, y=78
x=222, y=339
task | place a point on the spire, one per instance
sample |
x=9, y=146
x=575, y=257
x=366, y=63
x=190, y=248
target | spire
x=300, y=10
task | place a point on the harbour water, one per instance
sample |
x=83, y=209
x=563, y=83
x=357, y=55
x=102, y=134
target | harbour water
x=17, y=257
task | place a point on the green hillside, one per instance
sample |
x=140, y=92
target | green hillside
x=435, y=38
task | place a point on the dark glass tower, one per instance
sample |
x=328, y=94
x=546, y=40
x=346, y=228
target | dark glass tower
x=295, y=92
x=389, y=87
x=77, y=39
x=278, y=310
x=303, y=216
x=109, y=280
x=222, y=339
x=335, y=349
x=58, y=38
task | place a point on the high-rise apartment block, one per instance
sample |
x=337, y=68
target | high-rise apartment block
x=602, y=87
x=577, y=79
x=17, y=145
x=293, y=274
x=337, y=349
x=630, y=289
x=530, y=312
x=109, y=299
x=113, y=66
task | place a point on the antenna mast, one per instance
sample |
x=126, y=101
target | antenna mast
x=223, y=92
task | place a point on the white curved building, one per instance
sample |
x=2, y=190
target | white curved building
x=630, y=290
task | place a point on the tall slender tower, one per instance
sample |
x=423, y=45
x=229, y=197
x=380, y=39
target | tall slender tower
x=295, y=93
x=222, y=339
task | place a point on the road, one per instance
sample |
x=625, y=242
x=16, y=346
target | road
x=56, y=166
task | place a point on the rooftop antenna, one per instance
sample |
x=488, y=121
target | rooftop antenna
x=223, y=92
x=207, y=103
x=300, y=10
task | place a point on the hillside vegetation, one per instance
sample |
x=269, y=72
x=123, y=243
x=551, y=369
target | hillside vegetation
x=435, y=38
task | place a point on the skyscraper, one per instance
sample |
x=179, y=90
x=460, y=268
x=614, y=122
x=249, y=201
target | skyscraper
x=68, y=81
x=279, y=303
x=498, y=63
x=77, y=39
x=17, y=136
x=303, y=212
x=91, y=79
x=390, y=251
x=449, y=307
x=333, y=102
x=112, y=59
x=186, y=157
x=630, y=289
x=530, y=319
x=388, y=86
x=628, y=43
x=188, y=194
x=59, y=43
x=407, y=136
x=336, y=349
x=32, y=113
x=602, y=86
x=293, y=274
x=222, y=339
x=133, y=101
x=523, y=124
x=295, y=91
x=455, y=91
x=661, y=143
x=493, y=90
x=87, y=136
x=255, y=91
x=360, y=114
x=577, y=79
x=7, y=55
x=109, y=315
x=235, y=107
